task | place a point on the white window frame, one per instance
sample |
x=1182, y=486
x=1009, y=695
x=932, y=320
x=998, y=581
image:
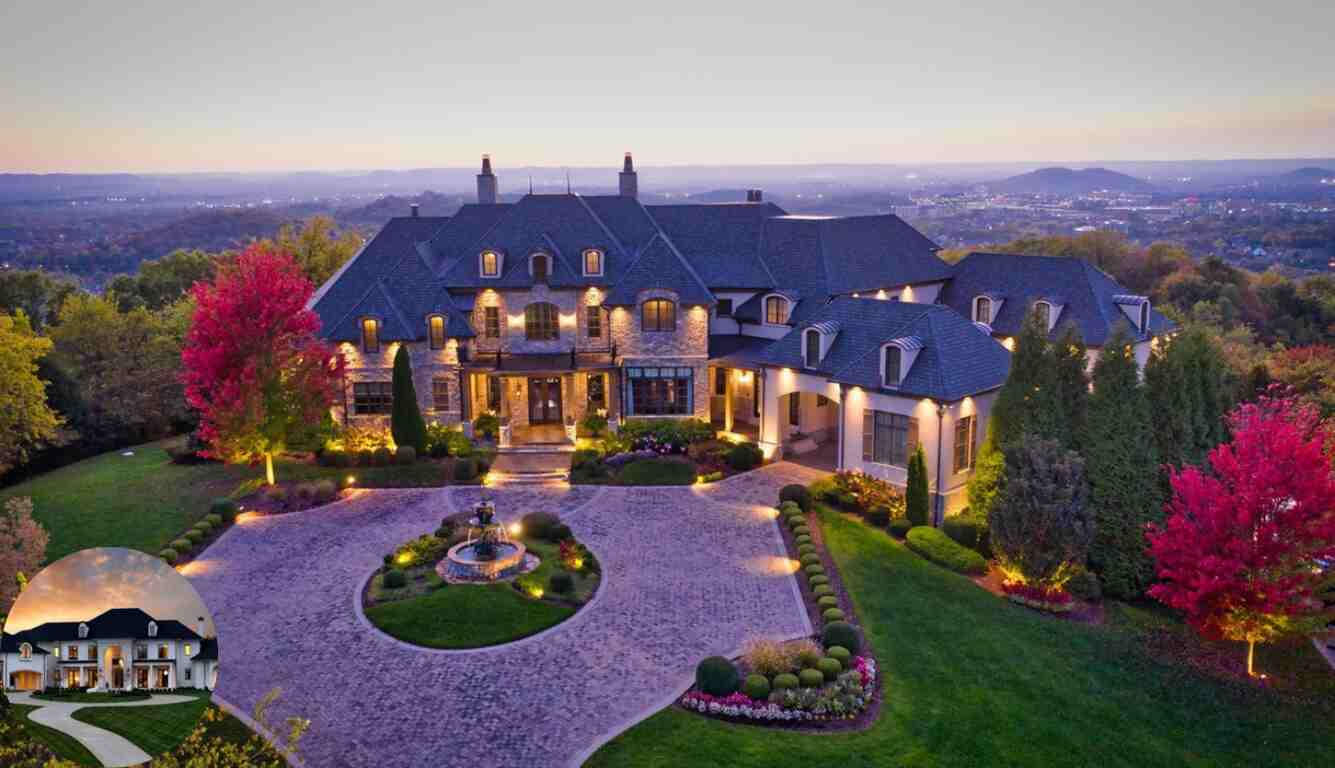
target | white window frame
x=764, y=309
x=482, y=264
x=584, y=261
x=991, y=309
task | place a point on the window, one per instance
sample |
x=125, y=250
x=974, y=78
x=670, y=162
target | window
x=188, y=646
x=162, y=651
x=538, y=266
x=186, y=671
x=370, y=398
x=540, y=322
x=890, y=376
x=493, y=393
x=964, y=440
x=435, y=326
x=658, y=315
x=57, y=651
x=776, y=310
x=720, y=381
x=83, y=631
x=491, y=264
x=724, y=308
x=795, y=409
x=25, y=651
x=822, y=401
x=74, y=653
x=593, y=262
x=1144, y=316
x=813, y=348
x=597, y=389
x=594, y=321
x=440, y=393
x=1044, y=312
x=888, y=438
x=755, y=395
x=370, y=336
x=660, y=391
x=92, y=652
x=152, y=629
x=982, y=310
x=491, y=322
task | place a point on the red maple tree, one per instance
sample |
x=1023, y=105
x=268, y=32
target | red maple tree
x=1240, y=549
x=253, y=365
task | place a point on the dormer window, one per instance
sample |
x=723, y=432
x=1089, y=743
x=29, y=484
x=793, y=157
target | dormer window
x=776, y=310
x=152, y=629
x=83, y=631
x=435, y=326
x=538, y=267
x=1044, y=312
x=1136, y=309
x=490, y=265
x=890, y=370
x=813, y=348
x=897, y=358
x=593, y=262
x=370, y=335
x=982, y=310
x=25, y=651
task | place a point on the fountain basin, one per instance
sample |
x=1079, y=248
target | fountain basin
x=463, y=563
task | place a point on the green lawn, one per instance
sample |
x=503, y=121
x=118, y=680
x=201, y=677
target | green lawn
x=65, y=747
x=972, y=680
x=156, y=729
x=657, y=472
x=87, y=697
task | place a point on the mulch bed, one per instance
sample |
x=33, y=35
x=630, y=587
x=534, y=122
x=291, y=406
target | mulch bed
x=1081, y=613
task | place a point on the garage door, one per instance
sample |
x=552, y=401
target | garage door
x=26, y=681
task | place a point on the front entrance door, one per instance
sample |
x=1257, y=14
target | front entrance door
x=544, y=401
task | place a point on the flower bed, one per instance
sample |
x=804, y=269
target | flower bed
x=844, y=699
x=1050, y=599
x=667, y=452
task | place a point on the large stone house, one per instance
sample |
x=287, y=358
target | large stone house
x=844, y=338
x=123, y=649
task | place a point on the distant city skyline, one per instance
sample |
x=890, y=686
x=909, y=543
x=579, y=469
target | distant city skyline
x=165, y=88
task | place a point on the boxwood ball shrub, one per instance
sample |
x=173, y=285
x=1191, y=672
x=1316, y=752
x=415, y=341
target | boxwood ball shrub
x=214, y=518
x=843, y=634
x=562, y=583
x=802, y=530
x=382, y=457
x=194, y=535
x=811, y=678
x=168, y=555
x=545, y=526
x=818, y=579
x=716, y=676
x=839, y=652
x=899, y=527
x=969, y=530
x=756, y=686
x=832, y=614
x=394, y=579
x=797, y=494
x=821, y=590
x=815, y=570
x=406, y=454
x=785, y=681
x=829, y=667
x=806, y=549
x=934, y=545
x=803, y=539
x=811, y=559
x=879, y=516
x=181, y=545
x=465, y=470
x=204, y=525
x=827, y=601
x=225, y=509
x=745, y=456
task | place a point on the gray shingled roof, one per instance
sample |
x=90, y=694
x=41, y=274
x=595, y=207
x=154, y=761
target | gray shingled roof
x=722, y=241
x=956, y=359
x=113, y=623
x=1087, y=293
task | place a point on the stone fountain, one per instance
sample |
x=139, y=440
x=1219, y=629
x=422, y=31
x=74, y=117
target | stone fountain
x=488, y=554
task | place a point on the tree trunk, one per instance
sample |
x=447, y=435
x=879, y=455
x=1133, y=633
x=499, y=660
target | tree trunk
x=1251, y=654
x=268, y=468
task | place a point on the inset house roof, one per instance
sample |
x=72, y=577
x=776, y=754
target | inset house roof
x=722, y=242
x=1090, y=298
x=955, y=359
x=117, y=623
x=738, y=351
x=208, y=650
x=10, y=643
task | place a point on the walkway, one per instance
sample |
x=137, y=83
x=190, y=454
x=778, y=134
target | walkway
x=113, y=750
x=688, y=572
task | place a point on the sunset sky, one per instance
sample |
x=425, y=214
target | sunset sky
x=247, y=86
x=86, y=583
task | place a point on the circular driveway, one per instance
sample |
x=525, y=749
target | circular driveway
x=688, y=572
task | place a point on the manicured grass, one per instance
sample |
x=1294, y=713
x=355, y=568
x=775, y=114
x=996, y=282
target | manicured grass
x=657, y=472
x=155, y=729
x=65, y=747
x=971, y=680
x=87, y=697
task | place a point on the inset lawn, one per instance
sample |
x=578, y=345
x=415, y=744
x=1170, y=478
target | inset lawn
x=970, y=680
x=657, y=472
x=89, y=697
x=156, y=728
x=64, y=746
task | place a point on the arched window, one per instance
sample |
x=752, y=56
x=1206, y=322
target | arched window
x=538, y=266
x=813, y=348
x=435, y=326
x=491, y=264
x=1044, y=312
x=152, y=629
x=890, y=376
x=658, y=315
x=25, y=651
x=370, y=335
x=982, y=310
x=540, y=322
x=593, y=262
x=776, y=310
x=83, y=631
x=1144, y=316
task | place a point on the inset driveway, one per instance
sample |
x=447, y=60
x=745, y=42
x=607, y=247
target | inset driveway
x=688, y=572
x=111, y=749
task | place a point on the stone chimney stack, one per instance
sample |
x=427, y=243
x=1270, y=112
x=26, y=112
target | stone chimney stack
x=630, y=185
x=413, y=207
x=199, y=626
x=754, y=196
x=486, y=183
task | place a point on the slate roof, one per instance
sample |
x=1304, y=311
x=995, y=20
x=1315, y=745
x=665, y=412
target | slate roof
x=738, y=351
x=1088, y=295
x=956, y=359
x=111, y=624
x=9, y=643
x=722, y=241
x=208, y=650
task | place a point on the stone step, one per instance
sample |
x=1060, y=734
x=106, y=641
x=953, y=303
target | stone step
x=527, y=478
x=538, y=448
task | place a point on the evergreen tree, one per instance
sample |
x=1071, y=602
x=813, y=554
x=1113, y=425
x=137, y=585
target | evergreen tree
x=1190, y=388
x=405, y=421
x=916, y=499
x=1023, y=405
x=1070, y=388
x=985, y=482
x=1122, y=466
x=1041, y=524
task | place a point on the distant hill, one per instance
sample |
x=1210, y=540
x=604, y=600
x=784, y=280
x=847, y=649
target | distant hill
x=214, y=230
x=1308, y=175
x=1070, y=181
x=377, y=213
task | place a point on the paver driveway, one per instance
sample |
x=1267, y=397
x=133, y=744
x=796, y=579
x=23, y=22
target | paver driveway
x=688, y=572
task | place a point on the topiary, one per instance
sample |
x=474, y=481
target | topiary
x=542, y=525
x=562, y=583
x=818, y=579
x=832, y=614
x=716, y=676
x=168, y=555
x=745, y=456
x=194, y=535
x=829, y=667
x=814, y=570
x=801, y=530
x=382, y=457
x=794, y=521
x=1084, y=585
x=395, y=579
x=798, y=494
x=808, y=653
x=811, y=559
x=465, y=470
x=790, y=507
x=205, y=526
x=803, y=539
x=821, y=590
x=785, y=681
x=406, y=424
x=214, y=518
x=839, y=652
x=225, y=509
x=900, y=527
x=181, y=545
x=827, y=601
x=806, y=549
x=811, y=678
x=842, y=633
x=756, y=687
x=878, y=516
x=406, y=454
x=934, y=545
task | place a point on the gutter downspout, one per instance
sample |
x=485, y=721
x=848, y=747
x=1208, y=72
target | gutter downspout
x=940, y=427
x=843, y=414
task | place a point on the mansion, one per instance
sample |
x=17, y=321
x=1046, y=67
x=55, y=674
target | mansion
x=844, y=337
x=123, y=649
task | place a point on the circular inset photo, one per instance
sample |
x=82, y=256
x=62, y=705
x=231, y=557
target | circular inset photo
x=110, y=656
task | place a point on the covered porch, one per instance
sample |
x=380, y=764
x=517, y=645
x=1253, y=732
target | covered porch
x=540, y=399
x=736, y=394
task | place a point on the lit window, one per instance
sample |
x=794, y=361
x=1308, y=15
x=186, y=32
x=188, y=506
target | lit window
x=776, y=310
x=795, y=409
x=593, y=262
x=658, y=315
x=152, y=629
x=595, y=322
x=73, y=653
x=1044, y=312
x=440, y=393
x=982, y=310
x=813, y=348
x=491, y=263
x=372, y=398
x=370, y=336
x=436, y=327
x=489, y=324
x=162, y=651
x=188, y=651
x=539, y=267
x=888, y=438
x=25, y=651
x=660, y=391
x=964, y=443
x=892, y=359
x=540, y=323
x=597, y=390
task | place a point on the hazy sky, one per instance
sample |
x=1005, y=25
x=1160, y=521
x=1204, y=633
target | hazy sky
x=245, y=86
x=88, y=582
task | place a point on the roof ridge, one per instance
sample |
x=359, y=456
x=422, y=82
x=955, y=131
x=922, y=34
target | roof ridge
x=608, y=230
x=393, y=305
x=680, y=258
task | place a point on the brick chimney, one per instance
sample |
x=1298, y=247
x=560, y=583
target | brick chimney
x=414, y=209
x=486, y=183
x=754, y=196
x=630, y=185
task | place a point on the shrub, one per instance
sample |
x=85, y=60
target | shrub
x=812, y=559
x=756, y=686
x=916, y=499
x=711, y=477
x=487, y=425
x=767, y=657
x=832, y=614
x=382, y=457
x=899, y=527
x=225, y=509
x=795, y=520
x=968, y=530
x=745, y=456
x=814, y=570
x=530, y=585
x=585, y=457
x=879, y=516
x=934, y=545
x=465, y=470
x=542, y=525
x=215, y=519
x=801, y=530
x=326, y=491
x=843, y=634
x=798, y=494
x=181, y=545
x=811, y=678
x=716, y=676
x=821, y=590
x=857, y=492
x=818, y=579
x=806, y=549
x=395, y=579
x=1040, y=521
x=561, y=583
x=790, y=507
x=406, y=454
x=205, y=526
x=806, y=653
x=710, y=452
x=803, y=539
x=839, y=652
x=593, y=425
x=785, y=681
x=827, y=601
x=168, y=555
x=365, y=457
x=829, y=667
x=194, y=535
x=1084, y=585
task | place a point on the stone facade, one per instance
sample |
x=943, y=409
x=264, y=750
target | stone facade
x=428, y=366
x=687, y=346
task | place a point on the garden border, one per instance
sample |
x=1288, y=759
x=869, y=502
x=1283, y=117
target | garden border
x=293, y=760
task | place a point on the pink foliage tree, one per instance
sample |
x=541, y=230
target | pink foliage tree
x=254, y=367
x=22, y=548
x=1238, y=553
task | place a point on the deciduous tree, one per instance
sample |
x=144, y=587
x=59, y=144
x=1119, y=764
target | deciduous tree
x=318, y=249
x=25, y=418
x=22, y=548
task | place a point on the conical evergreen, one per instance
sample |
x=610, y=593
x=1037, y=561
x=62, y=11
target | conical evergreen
x=1190, y=389
x=405, y=421
x=917, y=504
x=985, y=482
x=1069, y=388
x=1121, y=464
x=1023, y=403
